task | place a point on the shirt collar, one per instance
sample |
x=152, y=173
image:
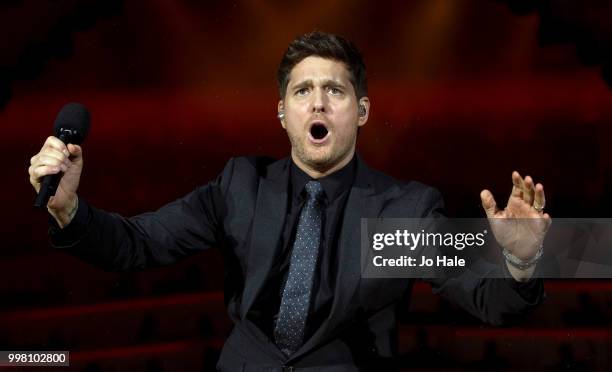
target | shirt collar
x=333, y=184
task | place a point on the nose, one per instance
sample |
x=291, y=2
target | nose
x=318, y=101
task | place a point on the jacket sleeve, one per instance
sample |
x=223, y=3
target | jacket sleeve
x=497, y=300
x=176, y=230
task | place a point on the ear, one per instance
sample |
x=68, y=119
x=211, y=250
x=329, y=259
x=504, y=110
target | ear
x=280, y=112
x=365, y=102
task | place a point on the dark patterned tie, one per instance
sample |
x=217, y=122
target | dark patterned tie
x=289, y=329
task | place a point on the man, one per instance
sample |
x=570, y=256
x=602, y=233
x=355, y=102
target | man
x=289, y=229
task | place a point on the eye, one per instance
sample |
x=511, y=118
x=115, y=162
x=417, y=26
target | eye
x=334, y=91
x=301, y=92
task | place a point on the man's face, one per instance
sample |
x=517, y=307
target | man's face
x=321, y=115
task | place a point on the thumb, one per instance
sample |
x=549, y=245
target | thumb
x=488, y=203
x=75, y=150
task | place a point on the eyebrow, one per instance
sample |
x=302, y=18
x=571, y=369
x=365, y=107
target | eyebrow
x=326, y=83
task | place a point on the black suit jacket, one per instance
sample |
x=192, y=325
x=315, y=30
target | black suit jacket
x=243, y=212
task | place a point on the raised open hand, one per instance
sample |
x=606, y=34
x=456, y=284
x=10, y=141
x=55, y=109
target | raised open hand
x=520, y=228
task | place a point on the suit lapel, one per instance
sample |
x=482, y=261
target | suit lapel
x=268, y=222
x=362, y=202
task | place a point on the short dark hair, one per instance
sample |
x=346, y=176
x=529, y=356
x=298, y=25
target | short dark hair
x=322, y=44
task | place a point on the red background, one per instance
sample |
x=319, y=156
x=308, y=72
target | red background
x=462, y=92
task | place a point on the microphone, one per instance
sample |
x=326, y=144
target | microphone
x=71, y=126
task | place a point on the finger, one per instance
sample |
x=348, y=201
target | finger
x=539, y=197
x=488, y=203
x=545, y=221
x=75, y=150
x=36, y=174
x=55, y=143
x=45, y=160
x=517, y=185
x=528, y=191
x=48, y=160
x=33, y=180
x=54, y=153
x=42, y=171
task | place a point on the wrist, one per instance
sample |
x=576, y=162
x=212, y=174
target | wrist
x=65, y=215
x=520, y=269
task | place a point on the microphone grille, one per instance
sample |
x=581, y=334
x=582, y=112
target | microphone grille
x=75, y=118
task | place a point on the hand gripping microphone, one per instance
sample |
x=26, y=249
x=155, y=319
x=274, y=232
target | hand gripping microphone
x=71, y=126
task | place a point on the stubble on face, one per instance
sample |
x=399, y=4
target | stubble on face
x=320, y=159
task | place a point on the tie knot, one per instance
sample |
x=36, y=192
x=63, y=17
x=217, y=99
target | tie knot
x=314, y=190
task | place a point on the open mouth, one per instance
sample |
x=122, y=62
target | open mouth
x=318, y=131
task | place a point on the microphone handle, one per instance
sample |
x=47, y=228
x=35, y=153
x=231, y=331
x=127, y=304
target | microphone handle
x=49, y=184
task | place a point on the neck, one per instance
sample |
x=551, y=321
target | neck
x=320, y=172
